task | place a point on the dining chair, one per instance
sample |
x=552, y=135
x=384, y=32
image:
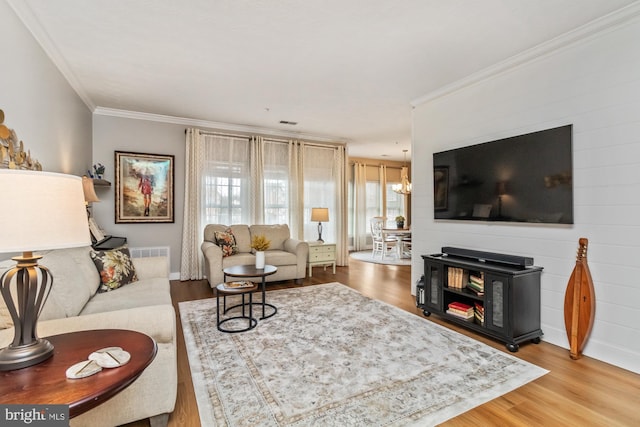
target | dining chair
x=381, y=246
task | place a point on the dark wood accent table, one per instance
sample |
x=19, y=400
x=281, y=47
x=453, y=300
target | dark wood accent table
x=47, y=383
x=251, y=271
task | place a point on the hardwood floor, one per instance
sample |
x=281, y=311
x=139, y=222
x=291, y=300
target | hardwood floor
x=583, y=392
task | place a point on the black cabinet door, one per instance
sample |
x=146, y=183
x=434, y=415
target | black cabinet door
x=434, y=274
x=496, y=306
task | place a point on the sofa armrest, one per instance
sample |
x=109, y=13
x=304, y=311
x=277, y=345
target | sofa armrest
x=151, y=267
x=301, y=249
x=157, y=321
x=212, y=262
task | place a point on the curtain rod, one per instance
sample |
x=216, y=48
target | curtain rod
x=375, y=165
x=220, y=133
x=268, y=138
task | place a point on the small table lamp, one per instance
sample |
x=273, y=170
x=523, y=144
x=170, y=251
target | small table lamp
x=321, y=215
x=41, y=210
x=89, y=191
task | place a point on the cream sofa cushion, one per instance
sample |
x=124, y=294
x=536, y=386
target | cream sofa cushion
x=74, y=268
x=276, y=233
x=280, y=258
x=81, y=279
x=243, y=237
x=143, y=293
x=240, y=232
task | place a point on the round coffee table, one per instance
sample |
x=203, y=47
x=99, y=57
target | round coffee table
x=246, y=271
x=47, y=383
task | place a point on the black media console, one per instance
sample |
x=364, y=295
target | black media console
x=495, y=294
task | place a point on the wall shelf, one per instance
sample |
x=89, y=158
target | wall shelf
x=98, y=182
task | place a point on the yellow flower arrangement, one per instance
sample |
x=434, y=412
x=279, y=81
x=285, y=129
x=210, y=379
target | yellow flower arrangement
x=260, y=243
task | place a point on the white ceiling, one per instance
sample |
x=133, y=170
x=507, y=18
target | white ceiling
x=343, y=69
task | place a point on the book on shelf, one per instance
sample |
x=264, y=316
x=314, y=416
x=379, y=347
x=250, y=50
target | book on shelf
x=466, y=317
x=460, y=309
x=476, y=283
x=240, y=284
x=461, y=312
x=460, y=305
x=457, y=278
x=479, y=280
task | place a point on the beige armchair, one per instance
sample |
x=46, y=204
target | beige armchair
x=289, y=255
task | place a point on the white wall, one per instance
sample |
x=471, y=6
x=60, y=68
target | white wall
x=594, y=85
x=112, y=134
x=38, y=102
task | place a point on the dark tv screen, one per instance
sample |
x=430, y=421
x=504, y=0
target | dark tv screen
x=525, y=178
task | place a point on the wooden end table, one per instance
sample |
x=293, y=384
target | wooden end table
x=247, y=271
x=47, y=383
x=321, y=254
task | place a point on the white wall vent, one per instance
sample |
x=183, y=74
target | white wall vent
x=151, y=252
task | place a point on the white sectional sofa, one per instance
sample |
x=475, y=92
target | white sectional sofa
x=143, y=306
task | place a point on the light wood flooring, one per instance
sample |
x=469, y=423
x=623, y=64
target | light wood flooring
x=584, y=392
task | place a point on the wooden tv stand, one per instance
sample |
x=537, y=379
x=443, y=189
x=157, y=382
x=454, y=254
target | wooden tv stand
x=509, y=307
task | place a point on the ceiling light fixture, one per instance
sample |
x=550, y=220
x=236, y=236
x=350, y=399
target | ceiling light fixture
x=404, y=187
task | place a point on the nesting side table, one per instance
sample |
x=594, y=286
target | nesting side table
x=223, y=291
x=247, y=271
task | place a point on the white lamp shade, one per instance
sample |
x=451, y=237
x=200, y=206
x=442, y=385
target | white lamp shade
x=41, y=210
x=320, y=214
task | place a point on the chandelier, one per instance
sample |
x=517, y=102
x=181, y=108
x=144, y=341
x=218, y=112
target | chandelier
x=404, y=187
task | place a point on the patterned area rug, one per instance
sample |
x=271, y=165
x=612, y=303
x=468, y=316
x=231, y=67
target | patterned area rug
x=333, y=357
x=389, y=260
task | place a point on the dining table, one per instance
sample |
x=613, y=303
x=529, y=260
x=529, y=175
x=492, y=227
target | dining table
x=399, y=234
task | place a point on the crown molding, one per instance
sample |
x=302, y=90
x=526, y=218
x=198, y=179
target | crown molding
x=227, y=127
x=24, y=13
x=596, y=28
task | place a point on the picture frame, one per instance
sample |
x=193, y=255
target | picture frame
x=441, y=188
x=144, y=187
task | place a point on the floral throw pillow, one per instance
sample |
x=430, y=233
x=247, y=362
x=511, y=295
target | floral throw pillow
x=227, y=242
x=115, y=268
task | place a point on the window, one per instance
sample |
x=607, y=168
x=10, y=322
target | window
x=320, y=190
x=373, y=200
x=224, y=190
x=231, y=195
x=276, y=200
x=225, y=181
x=276, y=182
x=395, y=203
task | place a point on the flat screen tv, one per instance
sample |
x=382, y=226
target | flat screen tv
x=525, y=178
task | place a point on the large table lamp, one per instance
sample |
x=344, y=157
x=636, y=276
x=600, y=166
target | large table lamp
x=321, y=215
x=40, y=211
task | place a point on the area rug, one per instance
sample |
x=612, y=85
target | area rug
x=333, y=357
x=388, y=260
